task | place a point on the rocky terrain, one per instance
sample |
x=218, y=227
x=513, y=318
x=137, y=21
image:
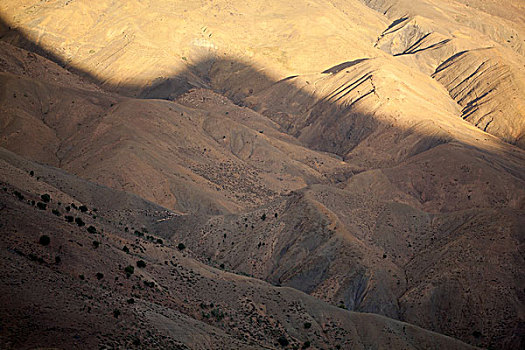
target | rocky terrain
x=324, y=174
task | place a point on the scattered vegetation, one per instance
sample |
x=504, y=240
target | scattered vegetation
x=80, y=222
x=181, y=246
x=45, y=198
x=129, y=270
x=19, y=195
x=283, y=341
x=96, y=244
x=307, y=325
x=91, y=229
x=83, y=208
x=56, y=212
x=41, y=206
x=69, y=218
x=44, y=240
x=149, y=284
x=100, y=275
x=141, y=264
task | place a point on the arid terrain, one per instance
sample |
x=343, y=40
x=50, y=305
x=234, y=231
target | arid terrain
x=325, y=174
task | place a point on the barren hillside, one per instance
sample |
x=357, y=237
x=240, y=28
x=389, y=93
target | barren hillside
x=310, y=157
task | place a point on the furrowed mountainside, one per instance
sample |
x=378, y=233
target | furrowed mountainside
x=367, y=153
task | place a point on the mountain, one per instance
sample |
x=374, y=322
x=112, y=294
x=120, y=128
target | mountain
x=358, y=155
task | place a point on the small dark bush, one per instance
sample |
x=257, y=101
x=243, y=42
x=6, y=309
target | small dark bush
x=68, y=208
x=139, y=234
x=160, y=241
x=56, y=212
x=100, y=275
x=41, y=206
x=19, y=195
x=80, y=222
x=82, y=277
x=96, y=244
x=44, y=240
x=45, y=198
x=181, y=246
x=476, y=334
x=141, y=264
x=83, y=208
x=283, y=341
x=307, y=325
x=69, y=218
x=57, y=260
x=306, y=344
x=91, y=229
x=149, y=284
x=131, y=300
x=129, y=270
x=263, y=217
x=73, y=206
x=221, y=266
x=116, y=313
x=125, y=249
x=32, y=173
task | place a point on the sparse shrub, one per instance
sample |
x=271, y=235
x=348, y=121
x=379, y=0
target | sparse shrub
x=139, y=234
x=32, y=173
x=80, y=222
x=19, y=195
x=44, y=240
x=83, y=208
x=116, y=313
x=73, y=206
x=68, y=208
x=57, y=260
x=69, y=218
x=129, y=270
x=181, y=246
x=276, y=215
x=306, y=344
x=160, y=241
x=125, y=249
x=100, y=275
x=45, y=198
x=32, y=202
x=307, y=325
x=263, y=217
x=91, y=229
x=476, y=334
x=56, y=212
x=41, y=206
x=96, y=244
x=149, y=284
x=221, y=266
x=131, y=300
x=82, y=277
x=283, y=341
x=218, y=314
x=141, y=264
